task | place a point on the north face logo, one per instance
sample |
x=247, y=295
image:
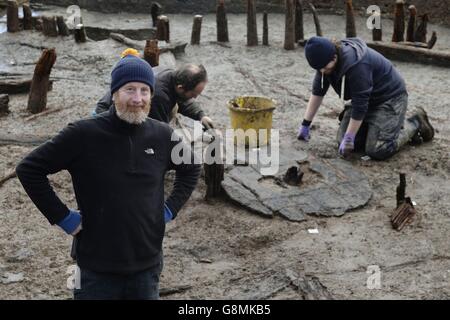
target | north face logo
x=149, y=151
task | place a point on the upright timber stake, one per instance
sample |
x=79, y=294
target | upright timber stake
x=350, y=28
x=162, y=29
x=289, y=30
x=377, y=34
x=421, y=32
x=214, y=174
x=252, y=33
x=63, y=30
x=405, y=208
x=4, y=107
x=411, y=23
x=80, y=34
x=151, y=52
x=50, y=27
x=155, y=11
x=265, y=40
x=222, y=23
x=299, y=33
x=433, y=40
x=12, y=16
x=399, y=22
x=316, y=20
x=401, y=189
x=27, y=20
x=37, y=100
x=196, y=30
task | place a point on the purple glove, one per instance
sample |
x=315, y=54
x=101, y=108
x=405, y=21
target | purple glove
x=303, y=133
x=347, y=145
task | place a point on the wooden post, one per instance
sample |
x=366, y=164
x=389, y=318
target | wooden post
x=49, y=27
x=377, y=34
x=289, y=29
x=155, y=11
x=214, y=175
x=316, y=20
x=299, y=33
x=432, y=41
x=411, y=23
x=80, y=33
x=350, y=28
x=151, y=52
x=421, y=32
x=12, y=16
x=63, y=30
x=252, y=32
x=196, y=30
x=399, y=22
x=27, y=20
x=37, y=23
x=265, y=40
x=401, y=189
x=162, y=29
x=4, y=104
x=222, y=23
x=37, y=100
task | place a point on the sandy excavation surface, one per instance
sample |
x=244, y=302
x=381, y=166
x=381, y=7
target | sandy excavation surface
x=219, y=250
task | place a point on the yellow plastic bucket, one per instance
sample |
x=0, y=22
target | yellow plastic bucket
x=251, y=112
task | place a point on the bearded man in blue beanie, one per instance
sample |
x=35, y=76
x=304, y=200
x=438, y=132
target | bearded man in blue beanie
x=374, y=120
x=117, y=162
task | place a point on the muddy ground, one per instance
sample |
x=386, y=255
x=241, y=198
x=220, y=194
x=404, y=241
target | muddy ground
x=218, y=249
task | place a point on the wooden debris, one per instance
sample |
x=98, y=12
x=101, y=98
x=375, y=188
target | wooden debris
x=401, y=189
x=196, y=30
x=309, y=287
x=421, y=32
x=151, y=52
x=265, y=39
x=43, y=113
x=16, y=85
x=129, y=42
x=432, y=41
x=22, y=140
x=293, y=176
x=399, y=22
x=405, y=209
x=289, y=30
x=222, y=23
x=12, y=16
x=163, y=29
x=316, y=20
x=27, y=17
x=411, y=23
x=80, y=34
x=63, y=30
x=252, y=32
x=403, y=214
x=410, y=54
x=172, y=290
x=155, y=12
x=50, y=28
x=9, y=176
x=37, y=100
x=299, y=33
x=4, y=104
x=350, y=27
x=377, y=34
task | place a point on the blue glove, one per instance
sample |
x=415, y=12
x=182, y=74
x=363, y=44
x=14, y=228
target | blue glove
x=303, y=133
x=168, y=216
x=71, y=222
x=347, y=144
x=93, y=113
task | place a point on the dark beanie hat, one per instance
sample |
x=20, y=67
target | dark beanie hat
x=131, y=68
x=319, y=52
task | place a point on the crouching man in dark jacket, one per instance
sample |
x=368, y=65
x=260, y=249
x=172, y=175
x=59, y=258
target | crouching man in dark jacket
x=117, y=161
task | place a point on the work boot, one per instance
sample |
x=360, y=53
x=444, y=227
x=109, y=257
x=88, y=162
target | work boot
x=426, y=130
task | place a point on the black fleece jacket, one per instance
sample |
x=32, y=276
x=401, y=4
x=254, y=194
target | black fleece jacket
x=118, y=174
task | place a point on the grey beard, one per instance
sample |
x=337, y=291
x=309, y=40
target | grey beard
x=132, y=117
